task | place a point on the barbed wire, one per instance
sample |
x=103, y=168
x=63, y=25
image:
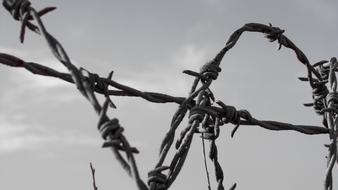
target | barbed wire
x=206, y=115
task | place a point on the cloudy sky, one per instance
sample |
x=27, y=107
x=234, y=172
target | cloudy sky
x=48, y=131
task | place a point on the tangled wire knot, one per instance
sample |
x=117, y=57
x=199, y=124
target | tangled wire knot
x=276, y=34
x=158, y=178
x=209, y=71
x=332, y=102
x=20, y=10
x=320, y=90
x=112, y=129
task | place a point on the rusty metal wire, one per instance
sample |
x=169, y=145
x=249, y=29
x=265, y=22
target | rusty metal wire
x=205, y=114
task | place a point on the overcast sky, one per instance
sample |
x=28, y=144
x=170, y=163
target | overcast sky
x=48, y=130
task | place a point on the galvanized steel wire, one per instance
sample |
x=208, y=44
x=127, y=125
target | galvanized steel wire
x=206, y=115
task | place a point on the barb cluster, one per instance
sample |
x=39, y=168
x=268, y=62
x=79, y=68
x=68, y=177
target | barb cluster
x=205, y=114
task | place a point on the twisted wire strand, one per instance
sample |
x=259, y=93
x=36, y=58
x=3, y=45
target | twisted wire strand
x=170, y=135
x=176, y=120
x=200, y=116
x=213, y=155
x=211, y=133
x=276, y=34
x=107, y=126
x=201, y=111
x=208, y=73
x=320, y=90
x=179, y=158
x=331, y=112
x=229, y=114
x=123, y=90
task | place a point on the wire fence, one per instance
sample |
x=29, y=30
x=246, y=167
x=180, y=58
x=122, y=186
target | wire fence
x=205, y=114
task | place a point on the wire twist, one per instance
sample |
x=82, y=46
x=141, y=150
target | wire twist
x=331, y=113
x=17, y=8
x=159, y=179
x=20, y=10
x=320, y=90
x=213, y=155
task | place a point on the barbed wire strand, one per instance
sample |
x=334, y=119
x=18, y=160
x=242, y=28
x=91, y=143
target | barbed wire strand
x=269, y=124
x=202, y=112
x=124, y=90
x=25, y=10
x=331, y=115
